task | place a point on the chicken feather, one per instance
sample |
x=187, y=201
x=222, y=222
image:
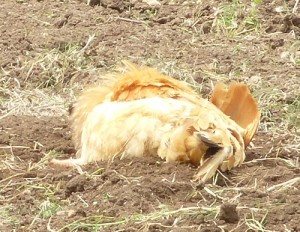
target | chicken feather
x=143, y=112
x=237, y=102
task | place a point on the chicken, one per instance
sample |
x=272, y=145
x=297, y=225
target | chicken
x=143, y=112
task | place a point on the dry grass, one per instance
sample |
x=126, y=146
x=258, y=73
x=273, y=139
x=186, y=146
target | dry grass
x=36, y=102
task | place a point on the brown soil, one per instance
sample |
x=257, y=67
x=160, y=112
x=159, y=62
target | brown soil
x=108, y=193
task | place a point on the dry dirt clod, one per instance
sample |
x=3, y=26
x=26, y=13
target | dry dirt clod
x=63, y=21
x=75, y=185
x=228, y=213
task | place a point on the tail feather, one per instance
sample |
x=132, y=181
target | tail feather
x=83, y=106
x=237, y=102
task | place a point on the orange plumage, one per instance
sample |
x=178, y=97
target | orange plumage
x=143, y=112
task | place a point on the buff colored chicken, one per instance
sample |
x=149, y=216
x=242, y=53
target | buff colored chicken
x=143, y=112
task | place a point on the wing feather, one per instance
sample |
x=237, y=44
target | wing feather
x=237, y=102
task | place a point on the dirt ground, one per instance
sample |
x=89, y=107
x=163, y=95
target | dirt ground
x=50, y=50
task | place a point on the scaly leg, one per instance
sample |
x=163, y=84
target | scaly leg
x=68, y=162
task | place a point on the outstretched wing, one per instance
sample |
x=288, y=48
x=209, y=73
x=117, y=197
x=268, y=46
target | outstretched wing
x=237, y=102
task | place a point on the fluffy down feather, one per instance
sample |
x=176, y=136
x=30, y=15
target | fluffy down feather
x=143, y=112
